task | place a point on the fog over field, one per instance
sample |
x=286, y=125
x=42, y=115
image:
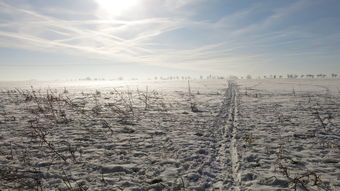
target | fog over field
x=180, y=95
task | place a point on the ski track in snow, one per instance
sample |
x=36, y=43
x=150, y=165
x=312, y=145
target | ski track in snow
x=234, y=138
x=228, y=156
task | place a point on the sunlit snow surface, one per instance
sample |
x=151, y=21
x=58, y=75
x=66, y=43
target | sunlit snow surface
x=277, y=134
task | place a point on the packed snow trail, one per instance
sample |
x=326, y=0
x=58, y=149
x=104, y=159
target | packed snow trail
x=232, y=126
x=227, y=157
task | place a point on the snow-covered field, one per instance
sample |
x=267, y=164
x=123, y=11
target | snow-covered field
x=278, y=134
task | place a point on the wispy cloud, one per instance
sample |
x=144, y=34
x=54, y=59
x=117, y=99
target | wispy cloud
x=249, y=36
x=117, y=39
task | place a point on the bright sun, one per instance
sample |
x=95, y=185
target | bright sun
x=116, y=7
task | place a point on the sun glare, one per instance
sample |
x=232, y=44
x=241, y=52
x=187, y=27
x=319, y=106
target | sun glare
x=116, y=7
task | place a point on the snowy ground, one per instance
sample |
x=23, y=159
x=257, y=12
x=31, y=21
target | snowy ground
x=155, y=135
x=291, y=134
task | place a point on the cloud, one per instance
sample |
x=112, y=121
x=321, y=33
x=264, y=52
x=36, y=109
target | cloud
x=103, y=37
x=253, y=35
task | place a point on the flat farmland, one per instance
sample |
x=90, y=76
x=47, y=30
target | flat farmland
x=278, y=134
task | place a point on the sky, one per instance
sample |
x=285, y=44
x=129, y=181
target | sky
x=71, y=39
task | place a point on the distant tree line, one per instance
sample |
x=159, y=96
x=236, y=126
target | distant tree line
x=208, y=77
x=311, y=76
x=295, y=76
x=219, y=77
